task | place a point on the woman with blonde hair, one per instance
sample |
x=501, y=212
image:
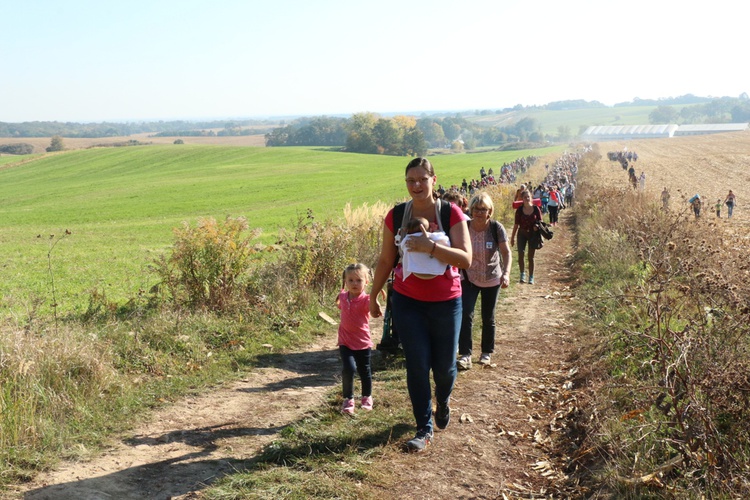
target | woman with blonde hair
x=489, y=271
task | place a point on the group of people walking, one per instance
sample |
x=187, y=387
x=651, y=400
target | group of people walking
x=440, y=262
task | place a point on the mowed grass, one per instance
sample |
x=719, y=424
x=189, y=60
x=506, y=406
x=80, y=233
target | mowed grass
x=121, y=205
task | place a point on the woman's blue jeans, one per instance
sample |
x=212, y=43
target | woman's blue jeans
x=469, y=297
x=429, y=336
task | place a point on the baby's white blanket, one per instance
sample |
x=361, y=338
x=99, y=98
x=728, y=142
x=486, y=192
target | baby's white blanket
x=421, y=263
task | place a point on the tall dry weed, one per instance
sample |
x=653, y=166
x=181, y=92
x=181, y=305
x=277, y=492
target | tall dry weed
x=45, y=380
x=673, y=294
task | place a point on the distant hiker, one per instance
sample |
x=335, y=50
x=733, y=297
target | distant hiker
x=489, y=271
x=696, y=203
x=642, y=181
x=730, y=202
x=527, y=216
x=569, y=194
x=665, y=199
x=426, y=312
x=717, y=206
x=519, y=192
x=554, y=205
x=355, y=344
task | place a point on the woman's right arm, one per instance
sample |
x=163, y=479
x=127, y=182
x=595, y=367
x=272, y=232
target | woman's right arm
x=513, y=235
x=382, y=270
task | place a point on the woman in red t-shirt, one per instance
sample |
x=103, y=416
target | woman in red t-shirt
x=426, y=312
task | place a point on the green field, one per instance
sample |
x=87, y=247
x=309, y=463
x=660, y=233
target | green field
x=574, y=119
x=121, y=204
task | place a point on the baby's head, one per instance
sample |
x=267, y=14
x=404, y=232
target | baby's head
x=416, y=225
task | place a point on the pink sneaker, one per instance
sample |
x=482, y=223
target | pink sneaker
x=366, y=403
x=348, y=407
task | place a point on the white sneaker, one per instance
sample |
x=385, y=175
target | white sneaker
x=464, y=362
x=484, y=359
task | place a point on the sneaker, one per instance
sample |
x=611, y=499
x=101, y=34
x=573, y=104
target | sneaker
x=420, y=441
x=531, y=280
x=484, y=359
x=442, y=415
x=366, y=403
x=348, y=407
x=523, y=278
x=464, y=362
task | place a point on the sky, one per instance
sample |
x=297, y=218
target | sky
x=137, y=60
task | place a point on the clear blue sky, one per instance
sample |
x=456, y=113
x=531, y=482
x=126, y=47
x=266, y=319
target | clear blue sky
x=102, y=60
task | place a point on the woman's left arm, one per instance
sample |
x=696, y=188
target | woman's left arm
x=507, y=256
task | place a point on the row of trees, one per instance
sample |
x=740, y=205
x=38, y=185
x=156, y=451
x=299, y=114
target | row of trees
x=400, y=135
x=105, y=129
x=724, y=110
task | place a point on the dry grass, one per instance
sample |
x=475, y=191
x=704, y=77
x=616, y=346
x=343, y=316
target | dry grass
x=41, y=143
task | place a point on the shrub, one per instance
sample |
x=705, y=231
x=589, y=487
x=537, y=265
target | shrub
x=19, y=148
x=208, y=263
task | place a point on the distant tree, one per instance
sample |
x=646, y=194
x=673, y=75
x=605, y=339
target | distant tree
x=56, y=144
x=432, y=132
x=451, y=130
x=741, y=112
x=414, y=143
x=178, y=141
x=663, y=114
x=360, y=138
x=19, y=148
x=387, y=137
x=563, y=133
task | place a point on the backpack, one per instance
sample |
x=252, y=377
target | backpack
x=399, y=210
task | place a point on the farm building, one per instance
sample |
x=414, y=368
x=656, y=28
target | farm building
x=619, y=132
x=710, y=128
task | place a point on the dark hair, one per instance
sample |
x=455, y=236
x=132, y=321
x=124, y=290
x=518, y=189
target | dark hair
x=421, y=162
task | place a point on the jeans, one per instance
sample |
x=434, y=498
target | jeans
x=470, y=293
x=730, y=209
x=429, y=337
x=355, y=360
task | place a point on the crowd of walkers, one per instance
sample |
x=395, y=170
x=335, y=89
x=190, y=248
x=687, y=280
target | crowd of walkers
x=437, y=260
x=507, y=173
x=627, y=158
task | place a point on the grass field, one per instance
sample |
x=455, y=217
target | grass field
x=574, y=119
x=121, y=204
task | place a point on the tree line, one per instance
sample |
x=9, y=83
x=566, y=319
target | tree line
x=722, y=110
x=400, y=135
x=108, y=129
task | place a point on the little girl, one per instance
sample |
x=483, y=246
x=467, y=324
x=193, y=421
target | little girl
x=355, y=345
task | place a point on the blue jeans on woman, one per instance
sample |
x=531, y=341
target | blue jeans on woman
x=470, y=293
x=429, y=336
x=359, y=361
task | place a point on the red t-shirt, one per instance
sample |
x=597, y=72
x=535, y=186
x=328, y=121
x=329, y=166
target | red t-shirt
x=354, y=328
x=526, y=222
x=447, y=286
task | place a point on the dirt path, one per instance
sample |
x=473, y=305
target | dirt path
x=504, y=417
x=192, y=443
x=498, y=441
